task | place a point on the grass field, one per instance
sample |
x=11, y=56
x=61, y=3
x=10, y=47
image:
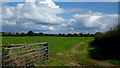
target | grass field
x=63, y=51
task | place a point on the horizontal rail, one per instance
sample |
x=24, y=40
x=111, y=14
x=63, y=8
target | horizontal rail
x=23, y=56
x=26, y=45
x=13, y=45
x=43, y=59
x=34, y=60
x=27, y=59
x=38, y=61
x=24, y=52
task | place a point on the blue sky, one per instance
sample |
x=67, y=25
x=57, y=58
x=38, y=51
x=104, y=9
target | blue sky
x=103, y=7
x=62, y=17
x=65, y=0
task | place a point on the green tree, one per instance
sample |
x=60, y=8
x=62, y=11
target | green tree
x=80, y=34
x=22, y=34
x=69, y=34
x=30, y=33
x=41, y=34
x=75, y=34
x=17, y=34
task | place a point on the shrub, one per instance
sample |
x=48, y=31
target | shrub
x=108, y=43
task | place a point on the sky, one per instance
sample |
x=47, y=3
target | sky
x=59, y=17
x=64, y=0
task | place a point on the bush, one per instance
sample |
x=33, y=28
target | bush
x=108, y=43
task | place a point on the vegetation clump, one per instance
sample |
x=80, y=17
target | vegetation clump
x=108, y=43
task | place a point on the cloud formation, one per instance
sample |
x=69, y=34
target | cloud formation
x=93, y=22
x=43, y=16
x=49, y=3
x=31, y=15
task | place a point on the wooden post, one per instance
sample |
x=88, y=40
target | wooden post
x=3, y=54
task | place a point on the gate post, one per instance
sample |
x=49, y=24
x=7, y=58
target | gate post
x=3, y=54
x=46, y=49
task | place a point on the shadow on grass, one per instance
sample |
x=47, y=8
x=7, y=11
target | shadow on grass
x=109, y=54
x=95, y=53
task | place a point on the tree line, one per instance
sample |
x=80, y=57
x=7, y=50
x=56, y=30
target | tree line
x=31, y=33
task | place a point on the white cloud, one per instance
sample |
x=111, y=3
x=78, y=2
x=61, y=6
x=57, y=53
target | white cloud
x=90, y=11
x=30, y=1
x=9, y=23
x=43, y=16
x=49, y=3
x=63, y=0
x=32, y=15
x=94, y=21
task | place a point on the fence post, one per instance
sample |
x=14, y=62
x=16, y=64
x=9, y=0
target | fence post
x=3, y=57
x=46, y=49
x=4, y=52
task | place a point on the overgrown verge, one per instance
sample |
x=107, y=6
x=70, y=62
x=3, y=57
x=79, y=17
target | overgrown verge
x=107, y=46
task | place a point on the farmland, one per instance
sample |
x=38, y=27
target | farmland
x=63, y=51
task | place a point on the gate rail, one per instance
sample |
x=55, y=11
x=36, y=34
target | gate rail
x=28, y=57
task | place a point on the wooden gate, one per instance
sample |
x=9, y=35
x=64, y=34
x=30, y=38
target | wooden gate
x=27, y=55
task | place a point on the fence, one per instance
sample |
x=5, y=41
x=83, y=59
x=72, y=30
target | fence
x=27, y=55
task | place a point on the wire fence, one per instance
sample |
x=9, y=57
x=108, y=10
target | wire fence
x=27, y=55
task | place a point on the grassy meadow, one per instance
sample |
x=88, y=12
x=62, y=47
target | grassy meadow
x=63, y=51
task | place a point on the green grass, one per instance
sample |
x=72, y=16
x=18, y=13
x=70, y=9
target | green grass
x=116, y=62
x=59, y=45
x=56, y=44
x=83, y=56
